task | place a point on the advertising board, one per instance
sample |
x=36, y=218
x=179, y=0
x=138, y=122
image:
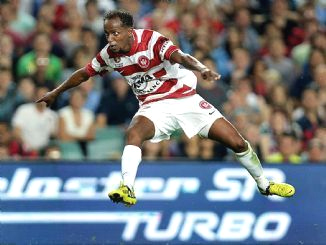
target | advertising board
x=177, y=203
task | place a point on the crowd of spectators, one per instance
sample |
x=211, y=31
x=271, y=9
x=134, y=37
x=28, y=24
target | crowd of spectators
x=271, y=55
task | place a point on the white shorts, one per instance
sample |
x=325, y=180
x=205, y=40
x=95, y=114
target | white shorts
x=192, y=114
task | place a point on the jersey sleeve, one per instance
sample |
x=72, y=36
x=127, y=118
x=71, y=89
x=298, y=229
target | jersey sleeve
x=164, y=47
x=99, y=64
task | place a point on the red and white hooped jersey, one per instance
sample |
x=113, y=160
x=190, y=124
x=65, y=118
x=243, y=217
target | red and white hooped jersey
x=147, y=68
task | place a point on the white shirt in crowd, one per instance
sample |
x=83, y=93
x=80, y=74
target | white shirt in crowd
x=72, y=128
x=36, y=127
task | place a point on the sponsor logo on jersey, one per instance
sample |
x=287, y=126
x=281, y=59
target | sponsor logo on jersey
x=118, y=63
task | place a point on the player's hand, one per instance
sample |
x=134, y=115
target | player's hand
x=209, y=75
x=48, y=98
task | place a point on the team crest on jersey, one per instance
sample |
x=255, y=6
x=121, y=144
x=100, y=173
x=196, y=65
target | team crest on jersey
x=143, y=61
x=204, y=104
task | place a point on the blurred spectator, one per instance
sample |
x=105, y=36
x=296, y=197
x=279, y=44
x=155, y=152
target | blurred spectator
x=320, y=13
x=46, y=11
x=162, y=16
x=248, y=34
x=206, y=17
x=202, y=44
x=198, y=148
x=93, y=18
x=242, y=99
x=318, y=40
x=75, y=122
x=10, y=148
x=5, y=133
x=45, y=27
x=45, y=24
x=278, y=122
x=316, y=58
x=258, y=76
x=92, y=87
x=92, y=95
x=241, y=62
x=186, y=33
x=271, y=31
x=189, y=147
x=151, y=151
x=278, y=97
x=283, y=18
x=4, y=152
x=40, y=63
x=272, y=78
x=240, y=119
x=10, y=98
x=313, y=10
x=102, y=6
x=33, y=125
x=26, y=88
x=19, y=22
x=6, y=18
x=230, y=7
x=288, y=150
x=206, y=149
x=71, y=37
x=90, y=41
x=155, y=151
x=300, y=52
x=6, y=51
x=310, y=115
x=321, y=133
x=79, y=59
x=316, y=151
x=134, y=7
x=228, y=42
x=277, y=60
x=118, y=105
x=62, y=9
x=319, y=83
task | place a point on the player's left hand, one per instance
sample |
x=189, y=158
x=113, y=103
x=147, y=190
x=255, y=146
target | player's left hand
x=209, y=75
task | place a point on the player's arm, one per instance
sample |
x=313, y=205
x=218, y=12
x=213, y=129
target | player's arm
x=193, y=64
x=74, y=80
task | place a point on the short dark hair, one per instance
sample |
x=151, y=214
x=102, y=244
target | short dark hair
x=125, y=17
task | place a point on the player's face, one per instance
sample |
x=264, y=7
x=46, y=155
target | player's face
x=118, y=36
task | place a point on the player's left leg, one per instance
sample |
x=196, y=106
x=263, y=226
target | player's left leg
x=224, y=132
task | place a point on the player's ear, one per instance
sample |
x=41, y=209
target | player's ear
x=130, y=32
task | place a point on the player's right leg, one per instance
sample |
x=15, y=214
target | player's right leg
x=224, y=132
x=140, y=129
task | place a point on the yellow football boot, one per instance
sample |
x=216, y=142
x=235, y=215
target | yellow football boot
x=278, y=189
x=123, y=194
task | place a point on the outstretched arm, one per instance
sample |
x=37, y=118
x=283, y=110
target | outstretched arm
x=193, y=64
x=74, y=80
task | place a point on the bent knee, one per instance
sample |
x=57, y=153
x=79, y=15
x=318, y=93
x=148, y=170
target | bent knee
x=133, y=137
x=239, y=145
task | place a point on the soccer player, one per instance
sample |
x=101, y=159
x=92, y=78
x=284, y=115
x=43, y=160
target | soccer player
x=161, y=78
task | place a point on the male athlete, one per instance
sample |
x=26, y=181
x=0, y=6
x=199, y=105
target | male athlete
x=161, y=78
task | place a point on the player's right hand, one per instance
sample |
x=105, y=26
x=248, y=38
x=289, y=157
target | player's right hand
x=208, y=74
x=48, y=98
